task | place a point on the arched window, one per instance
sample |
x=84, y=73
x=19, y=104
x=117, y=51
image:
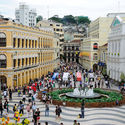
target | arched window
x=3, y=61
x=95, y=46
x=2, y=40
x=95, y=56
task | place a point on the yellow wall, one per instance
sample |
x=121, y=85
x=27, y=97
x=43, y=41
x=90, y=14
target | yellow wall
x=39, y=53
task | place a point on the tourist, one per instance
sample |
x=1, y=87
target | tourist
x=58, y=111
x=28, y=108
x=24, y=98
x=10, y=94
x=6, y=106
x=1, y=108
x=99, y=84
x=14, y=108
x=61, y=123
x=75, y=122
x=82, y=108
x=46, y=110
x=35, y=118
x=38, y=114
x=5, y=94
x=46, y=123
x=21, y=108
x=34, y=108
x=19, y=92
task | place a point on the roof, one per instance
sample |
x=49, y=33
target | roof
x=76, y=41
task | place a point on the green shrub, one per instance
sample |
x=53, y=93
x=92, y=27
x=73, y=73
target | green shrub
x=113, y=96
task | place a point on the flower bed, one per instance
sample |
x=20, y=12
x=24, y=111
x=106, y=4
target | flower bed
x=98, y=102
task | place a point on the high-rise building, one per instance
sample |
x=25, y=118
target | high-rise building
x=25, y=15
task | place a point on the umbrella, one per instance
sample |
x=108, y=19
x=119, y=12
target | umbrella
x=44, y=91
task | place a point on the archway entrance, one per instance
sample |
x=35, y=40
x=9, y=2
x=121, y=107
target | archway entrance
x=3, y=82
x=95, y=67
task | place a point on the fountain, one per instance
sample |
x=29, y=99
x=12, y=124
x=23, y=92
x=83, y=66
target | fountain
x=83, y=93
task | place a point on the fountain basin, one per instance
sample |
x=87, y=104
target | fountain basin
x=95, y=95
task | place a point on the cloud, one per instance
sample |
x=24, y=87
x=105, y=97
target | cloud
x=90, y=8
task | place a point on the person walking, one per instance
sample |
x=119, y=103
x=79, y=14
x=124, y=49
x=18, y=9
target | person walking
x=1, y=108
x=22, y=108
x=58, y=111
x=19, y=92
x=35, y=118
x=5, y=94
x=24, y=98
x=10, y=94
x=38, y=115
x=75, y=122
x=34, y=108
x=82, y=108
x=28, y=108
x=14, y=108
x=6, y=107
x=46, y=110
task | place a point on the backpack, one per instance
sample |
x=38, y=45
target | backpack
x=60, y=110
x=14, y=108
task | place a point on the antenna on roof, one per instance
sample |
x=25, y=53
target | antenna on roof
x=118, y=6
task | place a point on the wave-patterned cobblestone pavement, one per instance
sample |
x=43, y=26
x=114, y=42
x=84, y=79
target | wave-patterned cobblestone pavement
x=93, y=116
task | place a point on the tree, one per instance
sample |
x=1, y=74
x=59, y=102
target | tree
x=82, y=19
x=56, y=18
x=122, y=77
x=39, y=18
x=69, y=19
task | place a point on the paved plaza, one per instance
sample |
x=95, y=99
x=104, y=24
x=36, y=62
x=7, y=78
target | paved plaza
x=93, y=116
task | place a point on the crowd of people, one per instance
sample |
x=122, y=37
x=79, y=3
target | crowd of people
x=45, y=84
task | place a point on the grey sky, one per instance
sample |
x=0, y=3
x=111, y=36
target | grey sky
x=91, y=8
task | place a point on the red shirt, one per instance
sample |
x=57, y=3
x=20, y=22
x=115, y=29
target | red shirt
x=35, y=83
x=34, y=89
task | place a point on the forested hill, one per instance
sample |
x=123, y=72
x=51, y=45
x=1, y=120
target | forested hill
x=69, y=19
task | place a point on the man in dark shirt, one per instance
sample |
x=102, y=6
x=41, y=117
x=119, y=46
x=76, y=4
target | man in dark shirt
x=1, y=108
x=38, y=114
x=35, y=118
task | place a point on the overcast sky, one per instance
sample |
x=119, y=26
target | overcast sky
x=91, y=8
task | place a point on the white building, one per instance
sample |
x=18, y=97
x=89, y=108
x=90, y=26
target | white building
x=26, y=16
x=116, y=49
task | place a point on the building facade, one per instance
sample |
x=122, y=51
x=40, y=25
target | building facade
x=57, y=29
x=89, y=53
x=71, y=51
x=25, y=15
x=116, y=48
x=25, y=53
x=102, y=51
x=97, y=36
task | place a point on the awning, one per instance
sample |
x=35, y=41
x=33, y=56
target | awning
x=84, y=54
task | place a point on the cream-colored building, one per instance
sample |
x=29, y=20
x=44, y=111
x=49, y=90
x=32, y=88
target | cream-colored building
x=56, y=51
x=78, y=36
x=25, y=53
x=97, y=36
x=57, y=28
x=102, y=51
x=89, y=52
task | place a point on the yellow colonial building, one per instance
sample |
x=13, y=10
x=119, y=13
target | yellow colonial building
x=25, y=53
